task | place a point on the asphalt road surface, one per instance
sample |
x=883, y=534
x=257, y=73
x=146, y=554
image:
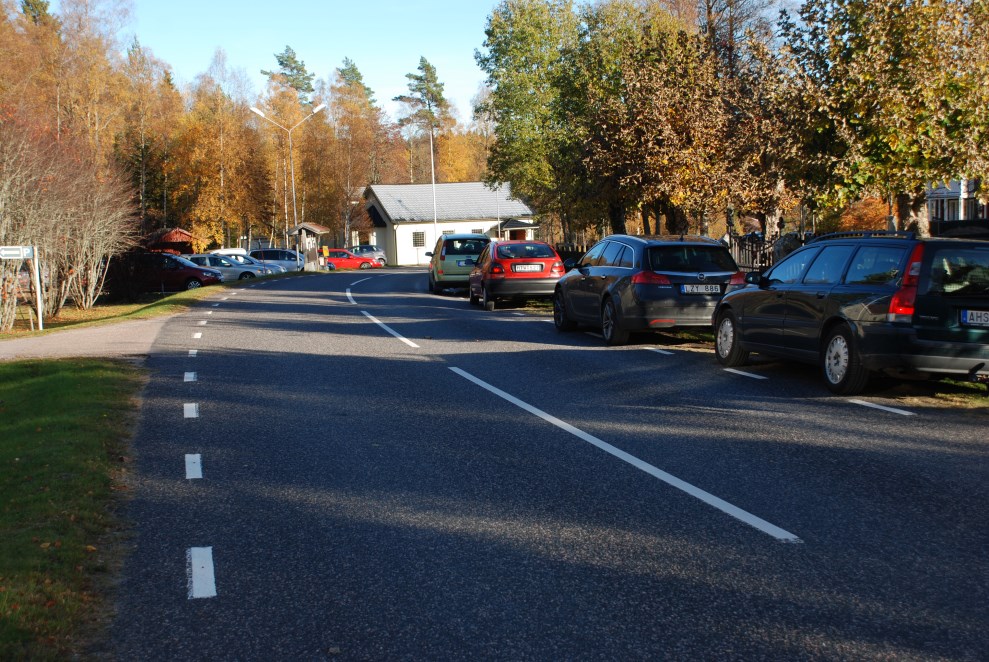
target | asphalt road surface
x=350, y=468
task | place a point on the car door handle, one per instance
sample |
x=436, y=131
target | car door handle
x=821, y=295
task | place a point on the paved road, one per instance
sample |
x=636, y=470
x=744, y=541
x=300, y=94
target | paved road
x=389, y=474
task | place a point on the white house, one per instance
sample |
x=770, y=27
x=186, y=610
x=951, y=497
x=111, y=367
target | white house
x=954, y=209
x=407, y=221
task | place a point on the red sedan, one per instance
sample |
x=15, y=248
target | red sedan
x=514, y=269
x=343, y=259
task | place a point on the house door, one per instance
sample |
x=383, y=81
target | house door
x=516, y=234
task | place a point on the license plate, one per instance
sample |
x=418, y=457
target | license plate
x=975, y=317
x=701, y=289
x=464, y=263
x=527, y=267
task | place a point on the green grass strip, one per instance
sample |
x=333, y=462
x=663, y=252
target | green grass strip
x=64, y=428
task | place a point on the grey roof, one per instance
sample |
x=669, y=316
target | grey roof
x=454, y=202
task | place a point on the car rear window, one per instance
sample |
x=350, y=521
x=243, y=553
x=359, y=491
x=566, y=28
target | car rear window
x=465, y=246
x=686, y=258
x=959, y=271
x=524, y=251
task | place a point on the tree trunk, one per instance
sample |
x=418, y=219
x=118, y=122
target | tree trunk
x=616, y=215
x=676, y=219
x=646, y=230
x=911, y=213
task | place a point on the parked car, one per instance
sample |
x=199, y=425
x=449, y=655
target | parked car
x=371, y=251
x=164, y=272
x=855, y=303
x=338, y=258
x=451, y=261
x=283, y=257
x=230, y=269
x=625, y=284
x=514, y=269
x=269, y=268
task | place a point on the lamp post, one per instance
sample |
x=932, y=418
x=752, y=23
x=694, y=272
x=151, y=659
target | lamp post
x=291, y=161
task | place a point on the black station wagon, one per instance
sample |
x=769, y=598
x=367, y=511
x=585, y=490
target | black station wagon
x=855, y=303
x=630, y=283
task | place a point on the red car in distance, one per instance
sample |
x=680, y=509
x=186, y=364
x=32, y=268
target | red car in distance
x=344, y=259
x=514, y=269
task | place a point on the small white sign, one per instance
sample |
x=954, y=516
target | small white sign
x=16, y=252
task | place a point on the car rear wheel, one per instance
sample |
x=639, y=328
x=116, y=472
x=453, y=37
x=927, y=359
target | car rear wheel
x=561, y=320
x=246, y=275
x=726, y=346
x=612, y=332
x=487, y=301
x=841, y=364
x=474, y=299
x=193, y=283
x=365, y=265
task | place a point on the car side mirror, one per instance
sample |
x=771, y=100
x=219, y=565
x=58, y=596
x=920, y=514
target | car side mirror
x=753, y=278
x=569, y=264
x=429, y=253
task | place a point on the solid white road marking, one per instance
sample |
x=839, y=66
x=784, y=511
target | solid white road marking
x=199, y=568
x=671, y=480
x=191, y=409
x=193, y=466
x=190, y=377
x=745, y=374
x=892, y=410
x=389, y=330
x=197, y=336
x=350, y=297
x=660, y=351
x=216, y=305
x=193, y=353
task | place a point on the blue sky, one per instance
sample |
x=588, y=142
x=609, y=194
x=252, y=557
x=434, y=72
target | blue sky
x=385, y=38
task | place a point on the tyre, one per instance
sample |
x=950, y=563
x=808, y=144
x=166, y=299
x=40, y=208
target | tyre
x=432, y=284
x=726, y=345
x=246, y=275
x=610, y=329
x=193, y=283
x=841, y=364
x=561, y=320
x=365, y=265
x=487, y=302
x=474, y=299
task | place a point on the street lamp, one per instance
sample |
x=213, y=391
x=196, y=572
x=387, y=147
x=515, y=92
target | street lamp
x=291, y=161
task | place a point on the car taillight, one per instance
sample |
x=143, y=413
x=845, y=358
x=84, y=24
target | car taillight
x=901, y=306
x=557, y=268
x=497, y=269
x=650, y=278
x=736, y=282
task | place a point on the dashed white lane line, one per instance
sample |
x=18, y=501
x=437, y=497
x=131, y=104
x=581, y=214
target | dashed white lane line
x=193, y=353
x=216, y=305
x=750, y=375
x=209, y=312
x=671, y=480
x=193, y=466
x=199, y=568
x=892, y=410
x=389, y=329
x=197, y=336
x=660, y=351
x=190, y=410
x=189, y=377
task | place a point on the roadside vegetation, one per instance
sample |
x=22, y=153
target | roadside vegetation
x=63, y=455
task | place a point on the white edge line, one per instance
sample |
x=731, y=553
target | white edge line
x=750, y=375
x=199, y=568
x=671, y=480
x=892, y=410
x=660, y=351
x=193, y=466
x=389, y=330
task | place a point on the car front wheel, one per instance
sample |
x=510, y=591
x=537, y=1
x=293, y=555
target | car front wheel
x=841, y=364
x=561, y=320
x=193, y=283
x=246, y=275
x=612, y=332
x=726, y=346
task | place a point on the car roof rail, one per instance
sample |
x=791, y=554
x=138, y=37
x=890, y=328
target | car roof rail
x=866, y=234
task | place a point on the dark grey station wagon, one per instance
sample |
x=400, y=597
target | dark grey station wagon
x=855, y=303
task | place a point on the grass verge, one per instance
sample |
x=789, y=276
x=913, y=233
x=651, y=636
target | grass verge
x=64, y=427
